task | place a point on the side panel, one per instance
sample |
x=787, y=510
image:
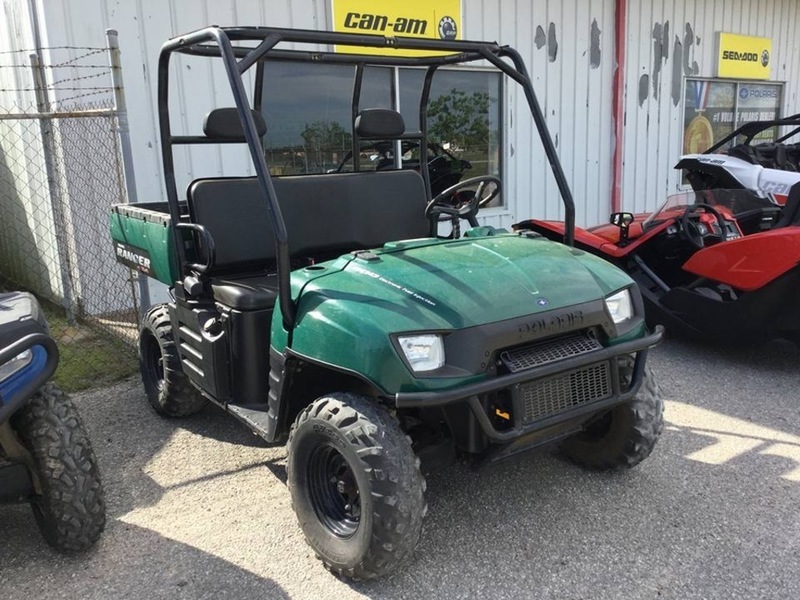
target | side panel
x=143, y=240
x=749, y=262
x=203, y=346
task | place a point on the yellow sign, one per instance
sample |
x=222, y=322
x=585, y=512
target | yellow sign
x=743, y=56
x=433, y=19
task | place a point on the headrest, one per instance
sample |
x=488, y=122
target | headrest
x=379, y=124
x=224, y=124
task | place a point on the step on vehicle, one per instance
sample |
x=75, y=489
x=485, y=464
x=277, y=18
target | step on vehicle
x=721, y=262
x=324, y=311
x=45, y=455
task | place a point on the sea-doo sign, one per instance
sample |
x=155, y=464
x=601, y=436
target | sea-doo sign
x=743, y=56
x=440, y=20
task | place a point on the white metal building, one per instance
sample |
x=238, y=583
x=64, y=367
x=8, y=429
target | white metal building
x=572, y=48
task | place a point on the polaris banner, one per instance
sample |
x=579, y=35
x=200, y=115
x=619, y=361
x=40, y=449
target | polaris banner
x=743, y=56
x=713, y=109
x=439, y=20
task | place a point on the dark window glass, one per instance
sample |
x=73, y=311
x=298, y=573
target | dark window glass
x=376, y=88
x=307, y=108
x=411, y=82
x=464, y=119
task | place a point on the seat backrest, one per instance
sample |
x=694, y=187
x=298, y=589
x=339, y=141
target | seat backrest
x=793, y=155
x=324, y=214
x=791, y=210
x=744, y=152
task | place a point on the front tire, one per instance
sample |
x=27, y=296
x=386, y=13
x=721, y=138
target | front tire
x=71, y=509
x=624, y=436
x=168, y=389
x=355, y=486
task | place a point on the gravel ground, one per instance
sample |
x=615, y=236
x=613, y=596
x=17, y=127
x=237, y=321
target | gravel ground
x=198, y=507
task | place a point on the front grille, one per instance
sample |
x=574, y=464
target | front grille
x=548, y=351
x=549, y=397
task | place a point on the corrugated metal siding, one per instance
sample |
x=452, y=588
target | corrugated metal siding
x=572, y=95
x=571, y=91
x=654, y=130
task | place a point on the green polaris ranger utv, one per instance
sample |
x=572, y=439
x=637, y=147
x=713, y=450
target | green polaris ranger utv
x=326, y=312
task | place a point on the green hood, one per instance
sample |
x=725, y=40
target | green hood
x=475, y=281
x=348, y=309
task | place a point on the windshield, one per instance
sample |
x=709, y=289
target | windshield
x=735, y=201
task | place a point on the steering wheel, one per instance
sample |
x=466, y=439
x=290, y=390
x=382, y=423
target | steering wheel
x=442, y=203
x=692, y=229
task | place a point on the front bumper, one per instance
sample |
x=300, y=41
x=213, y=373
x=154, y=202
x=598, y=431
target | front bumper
x=514, y=382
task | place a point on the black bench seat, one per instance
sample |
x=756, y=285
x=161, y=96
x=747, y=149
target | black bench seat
x=325, y=215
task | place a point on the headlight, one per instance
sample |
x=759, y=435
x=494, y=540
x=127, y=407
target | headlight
x=620, y=306
x=423, y=352
x=19, y=362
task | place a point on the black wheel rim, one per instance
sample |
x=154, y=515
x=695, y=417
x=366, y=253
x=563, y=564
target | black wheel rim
x=333, y=491
x=153, y=361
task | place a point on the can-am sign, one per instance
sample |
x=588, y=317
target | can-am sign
x=743, y=56
x=433, y=19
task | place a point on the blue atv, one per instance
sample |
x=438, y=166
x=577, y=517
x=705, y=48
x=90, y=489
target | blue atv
x=45, y=455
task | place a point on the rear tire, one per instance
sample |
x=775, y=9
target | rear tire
x=168, y=389
x=71, y=510
x=624, y=436
x=355, y=485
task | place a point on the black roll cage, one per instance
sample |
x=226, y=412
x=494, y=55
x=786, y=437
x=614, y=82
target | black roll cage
x=217, y=41
x=753, y=128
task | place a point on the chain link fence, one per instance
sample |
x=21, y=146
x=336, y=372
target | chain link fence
x=62, y=165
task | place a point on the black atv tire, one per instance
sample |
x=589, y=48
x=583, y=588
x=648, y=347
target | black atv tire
x=355, y=485
x=625, y=435
x=71, y=510
x=168, y=389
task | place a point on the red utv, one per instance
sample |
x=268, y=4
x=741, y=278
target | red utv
x=721, y=261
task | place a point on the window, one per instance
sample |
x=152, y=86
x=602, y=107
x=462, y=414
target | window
x=714, y=108
x=307, y=108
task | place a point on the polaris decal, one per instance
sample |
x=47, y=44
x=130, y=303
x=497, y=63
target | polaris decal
x=133, y=257
x=555, y=324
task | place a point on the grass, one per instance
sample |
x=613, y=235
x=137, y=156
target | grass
x=90, y=356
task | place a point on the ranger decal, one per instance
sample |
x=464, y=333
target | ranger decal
x=135, y=258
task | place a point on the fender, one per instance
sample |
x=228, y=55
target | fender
x=750, y=262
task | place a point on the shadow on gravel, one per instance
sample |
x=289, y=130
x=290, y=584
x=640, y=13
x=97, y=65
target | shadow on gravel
x=758, y=383
x=147, y=566
x=125, y=453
